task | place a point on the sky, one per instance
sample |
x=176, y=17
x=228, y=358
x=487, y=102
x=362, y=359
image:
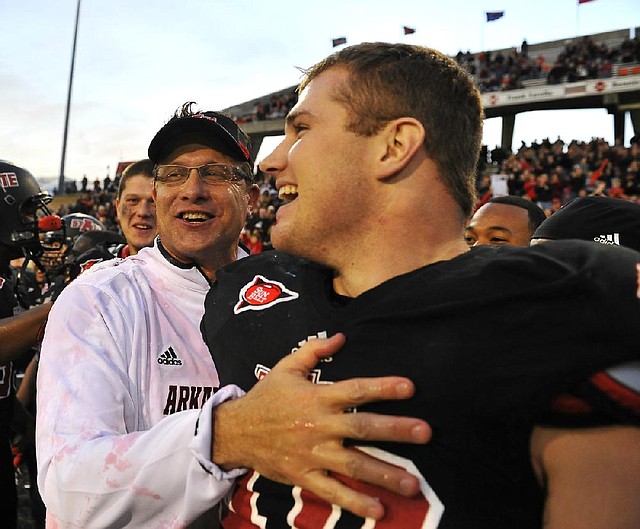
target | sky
x=138, y=60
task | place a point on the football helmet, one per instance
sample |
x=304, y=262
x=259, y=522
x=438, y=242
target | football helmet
x=75, y=224
x=23, y=211
x=58, y=243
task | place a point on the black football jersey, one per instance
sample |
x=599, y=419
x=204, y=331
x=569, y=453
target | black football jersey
x=8, y=307
x=489, y=338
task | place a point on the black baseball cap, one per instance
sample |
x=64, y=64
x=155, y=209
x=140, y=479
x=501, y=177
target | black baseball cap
x=605, y=220
x=208, y=123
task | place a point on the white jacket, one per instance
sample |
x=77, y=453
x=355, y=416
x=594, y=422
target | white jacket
x=121, y=440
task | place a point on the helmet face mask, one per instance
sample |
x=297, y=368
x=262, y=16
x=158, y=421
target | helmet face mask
x=58, y=244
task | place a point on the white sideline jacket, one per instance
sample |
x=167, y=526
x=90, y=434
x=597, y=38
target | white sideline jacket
x=121, y=439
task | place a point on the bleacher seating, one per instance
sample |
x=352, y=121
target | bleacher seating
x=546, y=52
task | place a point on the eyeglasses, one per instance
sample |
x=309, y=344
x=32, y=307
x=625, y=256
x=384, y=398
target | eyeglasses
x=210, y=173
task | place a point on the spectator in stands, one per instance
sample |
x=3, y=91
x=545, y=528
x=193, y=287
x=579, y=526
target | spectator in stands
x=577, y=181
x=84, y=204
x=606, y=69
x=616, y=190
x=631, y=184
x=529, y=184
x=556, y=74
x=254, y=242
x=556, y=185
x=544, y=192
x=506, y=220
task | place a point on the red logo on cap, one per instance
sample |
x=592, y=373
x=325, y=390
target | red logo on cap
x=203, y=116
x=244, y=150
x=262, y=293
x=242, y=146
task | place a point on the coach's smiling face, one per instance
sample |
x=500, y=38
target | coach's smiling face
x=199, y=222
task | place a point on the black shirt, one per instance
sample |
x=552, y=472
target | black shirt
x=490, y=339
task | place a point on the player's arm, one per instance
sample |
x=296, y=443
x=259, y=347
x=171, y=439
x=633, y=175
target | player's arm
x=591, y=476
x=19, y=333
x=26, y=393
x=292, y=431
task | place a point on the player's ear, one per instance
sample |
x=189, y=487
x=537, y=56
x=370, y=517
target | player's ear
x=401, y=139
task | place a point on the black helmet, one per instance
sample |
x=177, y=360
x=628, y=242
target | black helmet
x=87, y=241
x=58, y=243
x=76, y=224
x=22, y=204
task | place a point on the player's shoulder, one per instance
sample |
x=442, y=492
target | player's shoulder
x=604, y=264
x=270, y=262
x=574, y=249
x=91, y=259
x=560, y=257
x=570, y=266
x=117, y=270
x=102, y=270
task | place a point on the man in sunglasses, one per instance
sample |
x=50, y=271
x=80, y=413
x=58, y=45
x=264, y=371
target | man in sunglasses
x=133, y=428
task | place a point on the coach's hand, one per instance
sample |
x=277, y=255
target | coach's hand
x=292, y=431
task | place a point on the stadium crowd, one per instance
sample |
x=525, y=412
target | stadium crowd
x=582, y=58
x=549, y=173
x=553, y=173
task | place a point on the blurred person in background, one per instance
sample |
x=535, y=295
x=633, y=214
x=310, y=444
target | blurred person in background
x=509, y=220
x=135, y=207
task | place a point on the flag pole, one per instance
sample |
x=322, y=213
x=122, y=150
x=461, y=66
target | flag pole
x=61, y=187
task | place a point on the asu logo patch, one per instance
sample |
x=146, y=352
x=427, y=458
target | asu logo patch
x=262, y=293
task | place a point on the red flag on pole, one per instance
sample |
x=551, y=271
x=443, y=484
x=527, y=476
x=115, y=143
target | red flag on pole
x=339, y=41
x=407, y=30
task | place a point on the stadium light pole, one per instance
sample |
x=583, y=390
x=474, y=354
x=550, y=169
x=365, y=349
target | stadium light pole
x=61, y=187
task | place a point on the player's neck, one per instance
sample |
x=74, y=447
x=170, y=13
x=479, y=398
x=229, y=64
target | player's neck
x=391, y=258
x=213, y=262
